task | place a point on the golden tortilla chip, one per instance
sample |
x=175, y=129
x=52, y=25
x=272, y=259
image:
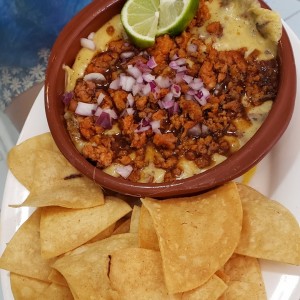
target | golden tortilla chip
x=269, y=229
x=245, y=279
x=135, y=219
x=26, y=288
x=64, y=229
x=197, y=235
x=57, y=292
x=58, y=183
x=122, y=227
x=137, y=273
x=86, y=268
x=147, y=234
x=22, y=254
x=57, y=278
x=22, y=157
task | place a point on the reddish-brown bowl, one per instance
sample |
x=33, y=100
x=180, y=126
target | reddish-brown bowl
x=64, y=51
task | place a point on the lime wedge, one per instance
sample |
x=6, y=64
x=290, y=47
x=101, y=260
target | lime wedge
x=143, y=20
x=175, y=15
x=140, y=21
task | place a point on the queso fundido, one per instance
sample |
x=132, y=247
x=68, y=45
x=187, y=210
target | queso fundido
x=181, y=106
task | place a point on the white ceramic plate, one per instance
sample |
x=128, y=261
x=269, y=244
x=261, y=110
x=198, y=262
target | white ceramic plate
x=277, y=176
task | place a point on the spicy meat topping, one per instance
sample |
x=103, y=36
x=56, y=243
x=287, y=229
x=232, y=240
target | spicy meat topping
x=178, y=101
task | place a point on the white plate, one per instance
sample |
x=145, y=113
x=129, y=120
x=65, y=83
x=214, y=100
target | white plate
x=277, y=176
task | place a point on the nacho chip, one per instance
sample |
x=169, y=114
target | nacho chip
x=57, y=278
x=22, y=157
x=26, y=288
x=22, y=254
x=197, y=235
x=58, y=183
x=122, y=227
x=245, y=279
x=86, y=268
x=147, y=234
x=135, y=219
x=137, y=273
x=64, y=229
x=57, y=292
x=269, y=230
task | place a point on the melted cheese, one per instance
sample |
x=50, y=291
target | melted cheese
x=240, y=21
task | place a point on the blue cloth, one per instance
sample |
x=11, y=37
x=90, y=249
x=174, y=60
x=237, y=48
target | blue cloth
x=28, y=29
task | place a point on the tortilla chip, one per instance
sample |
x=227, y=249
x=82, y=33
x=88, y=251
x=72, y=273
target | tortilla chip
x=57, y=278
x=64, y=229
x=147, y=234
x=22, y=254
x=122, y=227
x=195, y=236
x=269, y=230
x=86, y=268
x=57, y=292
x=246, y=280
x=103, y=234
x=137, y=273
x=26, y=288
x=22, y=157
x=58, y=183
x=135, y=219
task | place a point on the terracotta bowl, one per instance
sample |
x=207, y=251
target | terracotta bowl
x=64, y=52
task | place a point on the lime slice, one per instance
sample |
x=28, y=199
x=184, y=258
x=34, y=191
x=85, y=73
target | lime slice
x=143, y=20
x=175, y=15
x=140, y=21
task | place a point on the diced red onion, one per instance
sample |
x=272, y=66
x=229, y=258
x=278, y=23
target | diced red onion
x=196, y=84
x=134, y=71
x=174, y=109
x=180, y=61
x=115, y=84
x=130, y=111
x=127, y=54
x=85, y=109
x=140, y=79
x=155, y=125
x=195, y=131
x=187, y=78
x=192, y=48
x=126, y=82
x=204, y=129
x=94, y=77
x=130, y=100
x=98, y=111
x=136, y=88
x=124, y=171
x=163, y=82
x=143, y=67
x=67, y=97
x=182, y=69
x=173, y=65
x=152, y=86
x=146, y=89
x=176, y=90
x=148, y=77
x=91, y=36
x=104, y=120
x=179, y=77
x=100, y=98
x=111, y=113
x=142, y=129
x=87, y=43
x=199, y=97
x=151, y=63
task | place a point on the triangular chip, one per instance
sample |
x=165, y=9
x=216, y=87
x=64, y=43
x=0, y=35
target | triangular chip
x=22, y=157
x=56, y=292
x=64, y=229
x=137, y=273
x=26, y=288
x=245, y=279
x=269, y=230
x=86, y=268
x=197, y=235
x=58, y=183
x=22, y=254
x=147, y=234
